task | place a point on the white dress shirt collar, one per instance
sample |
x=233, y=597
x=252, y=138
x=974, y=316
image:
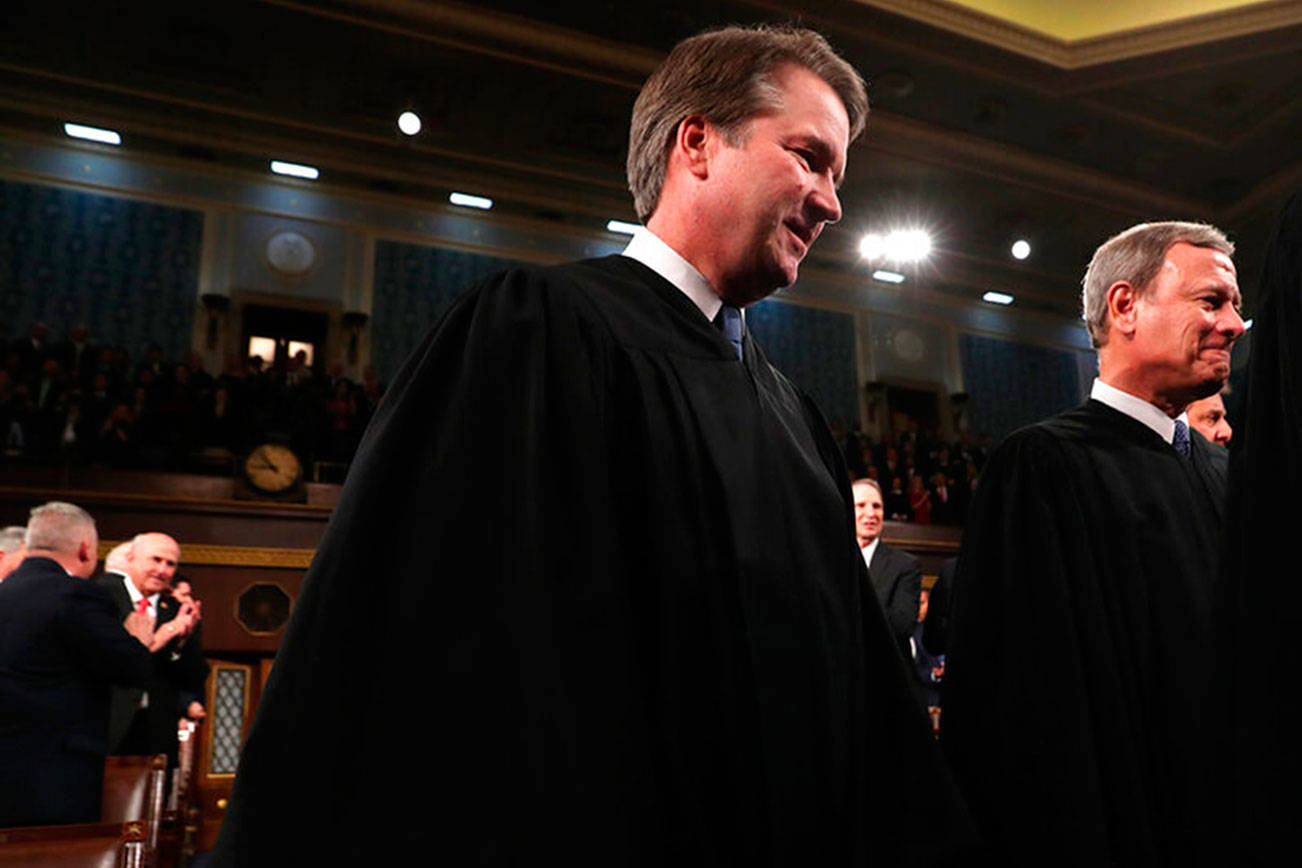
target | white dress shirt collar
x=868, y=551
x=136, y=596
x=649, y=250
x=1137, y=409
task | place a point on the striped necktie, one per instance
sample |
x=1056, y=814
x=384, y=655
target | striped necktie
x=729, y=320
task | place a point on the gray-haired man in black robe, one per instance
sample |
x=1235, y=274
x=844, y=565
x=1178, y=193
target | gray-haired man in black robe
x=1076, y=688
x=611, y=546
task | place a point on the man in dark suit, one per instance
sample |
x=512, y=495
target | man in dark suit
x=896, y=576
x=144, y=721
x=61, y=647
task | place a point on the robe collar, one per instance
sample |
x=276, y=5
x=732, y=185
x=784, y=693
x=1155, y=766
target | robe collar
x=1137, y=409
x=658, y=256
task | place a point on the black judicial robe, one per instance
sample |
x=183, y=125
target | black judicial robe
x=1263, y=596
x=592, y=591
x=1076, y=686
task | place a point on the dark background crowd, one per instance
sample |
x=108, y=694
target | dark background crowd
x=79, y=401
x=924, y=478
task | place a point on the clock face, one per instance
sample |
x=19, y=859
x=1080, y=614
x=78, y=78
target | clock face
x=272, y=468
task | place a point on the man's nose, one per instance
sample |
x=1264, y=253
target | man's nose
x=1232, y=324
x=824, y=201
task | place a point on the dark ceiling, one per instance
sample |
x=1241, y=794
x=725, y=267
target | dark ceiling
x=978, y=143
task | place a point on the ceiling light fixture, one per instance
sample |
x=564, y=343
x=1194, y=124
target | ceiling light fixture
x=622, y=228
x=1021, y=248
x=888, y=276
x=94, y=134
x=295, y=170
x=409, y=123
x=997, y=298
x=466, y=200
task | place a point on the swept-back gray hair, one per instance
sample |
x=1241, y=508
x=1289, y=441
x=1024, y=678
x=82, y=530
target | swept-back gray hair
x=11, y=538
x=1136, y=257
x=870, y=482
x=728, y=77
x=58, y=527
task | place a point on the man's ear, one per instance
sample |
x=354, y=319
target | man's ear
x=694, y=143
x=1123, y=307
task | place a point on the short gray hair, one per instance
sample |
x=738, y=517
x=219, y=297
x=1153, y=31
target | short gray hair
x=1136, y=256
x=869, y=481
x=727, y=76
x=11, y=538
x=58, y=527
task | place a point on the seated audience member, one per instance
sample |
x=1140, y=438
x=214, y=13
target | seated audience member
x=919, y=501
x=143, y=721
x=1207, y=417
x=897, y=501
x=895, y=575
x=12, y=549
x=63, y=647
x=942, y=500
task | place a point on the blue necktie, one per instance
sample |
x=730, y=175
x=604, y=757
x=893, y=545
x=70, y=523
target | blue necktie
x=1181, y=439
x=730, y=318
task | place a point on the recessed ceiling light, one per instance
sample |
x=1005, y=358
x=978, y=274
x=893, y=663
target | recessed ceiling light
x=94, y=134
x=621, y=227
x=468, y=201
x=997, y=298
x=888, y=276
x=409, y=123
x=1021, y=248
x=296, y=170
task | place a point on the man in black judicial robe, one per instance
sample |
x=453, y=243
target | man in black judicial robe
x=1077, y=709
x=622, y=542
x=1262, y=603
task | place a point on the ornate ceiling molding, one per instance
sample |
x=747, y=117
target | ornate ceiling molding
x=1081, y=53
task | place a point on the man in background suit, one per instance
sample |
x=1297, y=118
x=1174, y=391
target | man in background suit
x=896, y=576
x=12, y=549
x=145, y=721
x=61, y=646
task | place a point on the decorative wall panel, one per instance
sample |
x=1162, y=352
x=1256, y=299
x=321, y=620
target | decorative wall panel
x=814, y=348
x=1012, y=384
x=414, y=286
x=128, y=270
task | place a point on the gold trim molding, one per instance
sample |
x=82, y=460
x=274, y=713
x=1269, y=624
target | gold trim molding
x=1081, y=53
x=202, y=554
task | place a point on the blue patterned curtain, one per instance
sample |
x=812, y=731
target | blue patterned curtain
x=414, y=286
x=1011, y=385
x=127, y=270
x=814, y=348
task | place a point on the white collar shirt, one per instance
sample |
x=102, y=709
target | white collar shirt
x=868, y=551
x=658, y=256
x=1137, y=409
x=136, y=597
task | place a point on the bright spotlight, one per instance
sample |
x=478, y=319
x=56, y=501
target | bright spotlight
x=900, y=245
x=888, y=276
x=872, y=246
x=409, y=123
x=908, y=245
x=1021, y=248
x=296, y=170
x=997, y=298
x=94, y=134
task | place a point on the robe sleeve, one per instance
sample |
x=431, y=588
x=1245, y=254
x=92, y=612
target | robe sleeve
x=1024, y=696
x=470, y=562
